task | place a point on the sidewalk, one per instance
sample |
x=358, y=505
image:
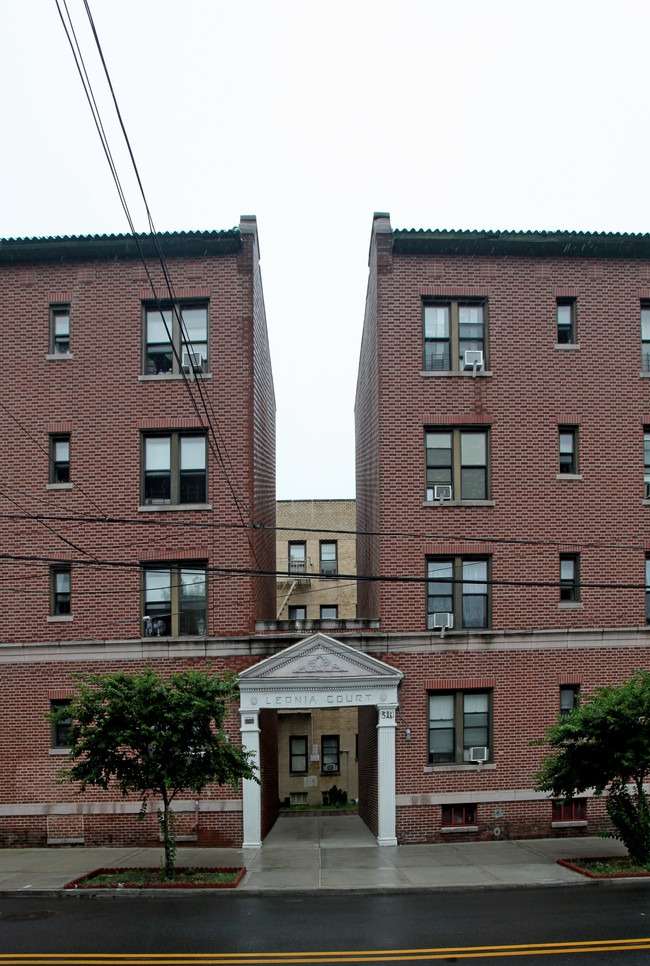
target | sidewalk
x=333, y=853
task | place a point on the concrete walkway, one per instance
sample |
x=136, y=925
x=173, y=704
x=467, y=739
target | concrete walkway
x=328, y=853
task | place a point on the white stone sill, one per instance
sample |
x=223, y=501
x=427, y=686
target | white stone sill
x=570, y=605
x=172, y=376
x=445, y=373
x=581, y=824
x=490, y=766
x=59, y=618
x=59, y=486
x=59, y=356
x=567, y=346
x=166, y=507
x=59, y=751
x=568, y=477
x=446, y=503
x=447, y=829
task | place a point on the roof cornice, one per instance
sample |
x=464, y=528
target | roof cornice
x=90, y=247
x=536, y=243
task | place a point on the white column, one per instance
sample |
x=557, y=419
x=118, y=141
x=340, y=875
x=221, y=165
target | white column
x=386, y=775
x=252, y=792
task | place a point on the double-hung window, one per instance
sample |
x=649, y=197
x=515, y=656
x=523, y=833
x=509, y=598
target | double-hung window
x=566, y=321
x=175, y=338
x=328, y=558
x=459, y=726
x=645, y=336
x=569, y=577
x=59, y=590
x=568, y=450
x=456, y=464
x=298, y=754
x=647, y=589
x=646, y=463
x=569, y=698
x=174, y=598
x=330, y=755
x=61, y=728
x=174, y=469
x=458, y=586
x=452, y=329
x=60, y=458
x=297, y=557
x=59, y=329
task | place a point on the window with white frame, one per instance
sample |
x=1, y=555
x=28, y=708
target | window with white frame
x=174, y=468
x=328, y=562
x=457, y=459
x=452, y=328
x=174, y=600
x=459, y=726
x=175, y=338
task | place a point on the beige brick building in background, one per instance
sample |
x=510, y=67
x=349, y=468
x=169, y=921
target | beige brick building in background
x=317, y=750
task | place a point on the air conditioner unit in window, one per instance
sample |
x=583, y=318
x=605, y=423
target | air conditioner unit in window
x=442, y=619
x=473, y=359
x=330, y=768
x=192, y=359
x=442, y=493
x=478, y=754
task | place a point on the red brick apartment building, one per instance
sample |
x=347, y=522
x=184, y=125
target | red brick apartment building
x=503, y=461
x=503, y=482
x=138, y=447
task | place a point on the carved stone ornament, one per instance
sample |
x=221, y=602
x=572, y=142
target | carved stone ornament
x=319, y=664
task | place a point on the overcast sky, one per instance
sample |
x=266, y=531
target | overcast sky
x=462, y=114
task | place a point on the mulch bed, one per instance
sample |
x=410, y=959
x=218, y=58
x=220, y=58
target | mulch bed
x=155, y=873
x=582, y=866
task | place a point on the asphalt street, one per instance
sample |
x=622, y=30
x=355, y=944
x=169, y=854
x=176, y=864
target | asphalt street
x=605, y=922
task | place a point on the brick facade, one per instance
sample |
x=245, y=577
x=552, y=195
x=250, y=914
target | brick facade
x=534, y=384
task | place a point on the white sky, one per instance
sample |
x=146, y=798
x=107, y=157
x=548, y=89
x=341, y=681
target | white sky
x=462, y=114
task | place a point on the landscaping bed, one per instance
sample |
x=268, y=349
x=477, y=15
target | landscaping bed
x=226, y=877
x=607, y=867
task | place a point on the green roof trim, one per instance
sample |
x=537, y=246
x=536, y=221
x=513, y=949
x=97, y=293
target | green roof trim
x=537, y=243
x=88, y=247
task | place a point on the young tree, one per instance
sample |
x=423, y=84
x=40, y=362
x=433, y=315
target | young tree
x=605, y=745
x=153, y=737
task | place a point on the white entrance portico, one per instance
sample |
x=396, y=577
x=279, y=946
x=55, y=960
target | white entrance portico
x=321, y=672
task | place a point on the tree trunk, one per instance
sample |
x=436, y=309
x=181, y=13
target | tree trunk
x=169, y=838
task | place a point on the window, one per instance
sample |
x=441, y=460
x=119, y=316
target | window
x=59, y=591
x=330, y=756
x=60, y=458
x=458, y=586
x=645, y=336
x=569, y=574
x=59, y=329
x=458, y=815
x=568, y=450
x=298, y=754
x=329, y=612
x=174, y=600
x=569, y=698
x=570, y=811
x=297, y=557
x=297, y=613
x=173, y=332
x=646, y=464
x=457, y=458
x=566, y=321
x=647, y=590
x=60, y=729
x=450, y=330
x=458, y=721
x=174, y=469
x=328, y=558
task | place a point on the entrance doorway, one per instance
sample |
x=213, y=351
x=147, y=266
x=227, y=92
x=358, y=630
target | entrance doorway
x=321, y=673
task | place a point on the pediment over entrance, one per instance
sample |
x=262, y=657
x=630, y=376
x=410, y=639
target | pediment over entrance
x=319, y=672
x=320, y=657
